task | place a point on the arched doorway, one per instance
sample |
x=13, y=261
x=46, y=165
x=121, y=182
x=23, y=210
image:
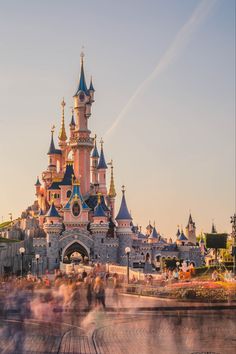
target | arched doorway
x=75, y=252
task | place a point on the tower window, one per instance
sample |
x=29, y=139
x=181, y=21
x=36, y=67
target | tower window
x=68, y=194
x=102, y=240
x=49, y=244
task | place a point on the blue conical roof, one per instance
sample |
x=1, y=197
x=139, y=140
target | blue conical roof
x=154, y=233
x=52, y=149
x=102, y=162
x=52, y=212
x=72, y=122
x=95, y=153
x=69, y=172
x=82, y=83
x=182, y=237
x=91, y=88
x=178, y=233
x=99, y=211
x=37, y=182
x=123, y=212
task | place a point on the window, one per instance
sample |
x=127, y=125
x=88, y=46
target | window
x=68, y=194
x=49, y=244
x=102, y=240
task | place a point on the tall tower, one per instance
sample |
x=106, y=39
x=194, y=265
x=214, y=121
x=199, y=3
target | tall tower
x=112, y=192
x=82, y=144
x=191, y=230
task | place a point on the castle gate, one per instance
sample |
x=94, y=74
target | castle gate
x=79, y=241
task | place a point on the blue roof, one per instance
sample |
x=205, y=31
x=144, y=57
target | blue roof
x=123, y=212
x=93, y=200
x=76, y=193
x=67, y=179
x=99, y=211
x=102, y=163
x=52, y=149
x=154, y=233
x=72, y=122
x=95, y=153
x=182, y=237
x=52, y=212
x=82, y=83
x=37, y=182
x=178, y=233
x=54, y=186
x=91, y=88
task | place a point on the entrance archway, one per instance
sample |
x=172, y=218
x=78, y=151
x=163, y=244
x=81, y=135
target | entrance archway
x=73, y=248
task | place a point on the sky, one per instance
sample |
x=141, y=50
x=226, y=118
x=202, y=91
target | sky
x=164, y=75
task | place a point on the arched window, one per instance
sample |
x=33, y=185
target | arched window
x=68, y=194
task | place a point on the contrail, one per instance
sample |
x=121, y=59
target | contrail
x=181, y=40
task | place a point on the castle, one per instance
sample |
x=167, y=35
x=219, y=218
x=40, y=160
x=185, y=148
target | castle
x=76, y=211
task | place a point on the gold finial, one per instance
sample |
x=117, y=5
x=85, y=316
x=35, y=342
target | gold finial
x=101, y=142
x=99, y=198
x=62, y=134
x=112, y=190
x=154, y=223
x=123, y=189
x=53, y=129
x=72, y=179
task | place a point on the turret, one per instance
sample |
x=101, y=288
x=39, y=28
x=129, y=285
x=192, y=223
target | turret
x=112, y=192
x=91, y=90
x=53, y=228
x=94, y=163
x=191, y=230
x=102, y=167
x=37, y=187
x=81, y=143
x=72, y=122
x=182, y=239
x=53, y=154
x=124, y=231
x=154, y=237
x=99, y=228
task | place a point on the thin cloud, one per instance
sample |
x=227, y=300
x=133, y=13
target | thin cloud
x=181, y=40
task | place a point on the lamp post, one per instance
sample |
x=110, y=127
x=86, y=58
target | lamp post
x=178, y=263
x=233, y=222
x=22, y=252
x=127, y=252
x=37, y=256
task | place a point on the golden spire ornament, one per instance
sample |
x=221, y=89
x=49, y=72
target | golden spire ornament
x=62, y=134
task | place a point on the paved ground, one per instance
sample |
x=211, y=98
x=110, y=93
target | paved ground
x=123, y=332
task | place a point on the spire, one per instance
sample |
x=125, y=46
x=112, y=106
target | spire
x=52, y=212
x=69, y=172
x=82, y=83
x=154, y=233
x=52, y=149
x=99, y=211
x=37, y=182
x=72, y=123
x=123, y=212
x=112, y=190
x=213, y=228
x=102, y=163
x=62, y=134
x=190, y=221
x=91, y=88
x=178, y=232
x=95, y=153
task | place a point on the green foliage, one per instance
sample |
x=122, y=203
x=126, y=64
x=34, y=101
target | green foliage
x=5, y=224
x=7, y=240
